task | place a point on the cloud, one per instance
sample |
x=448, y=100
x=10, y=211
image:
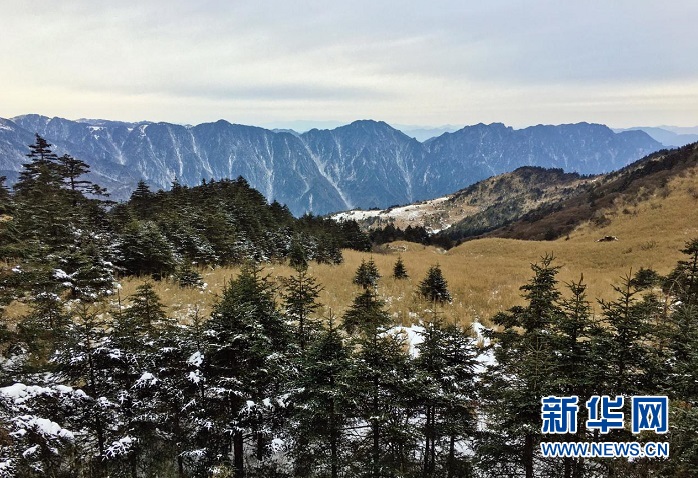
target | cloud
x=402, y=61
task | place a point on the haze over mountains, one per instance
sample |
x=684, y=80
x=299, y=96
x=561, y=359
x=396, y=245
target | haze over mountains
x=669, y=136
x=364, y=164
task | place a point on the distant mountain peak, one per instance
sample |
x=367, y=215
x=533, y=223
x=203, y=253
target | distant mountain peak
x=366, y=163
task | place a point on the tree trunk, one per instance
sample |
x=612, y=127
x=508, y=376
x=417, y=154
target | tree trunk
x=452, y=457
x=238, y=462
x=375, y=452
x=528, y=456
x=334, y=438
x=180, y=466
x=427, y=437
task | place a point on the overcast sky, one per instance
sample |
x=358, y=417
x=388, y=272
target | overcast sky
x=619, y=62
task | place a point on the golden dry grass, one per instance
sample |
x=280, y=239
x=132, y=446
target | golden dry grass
x=484, y=275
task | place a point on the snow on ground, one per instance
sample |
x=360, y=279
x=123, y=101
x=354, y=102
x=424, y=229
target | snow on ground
x=414, y=336
x=407, y=213
x=486, y=358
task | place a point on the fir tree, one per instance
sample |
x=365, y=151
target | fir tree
x=399, y=270
x=146, y=312
x=44, y=209
x=188, y=277
x=367, y=275
x=87, y=269
x=521, y=375
x=86, y=359
x=366, y=313
x=71, y=170
x=628, y=333
x=247, y=350
x=445, y=369
x=381, y=386
x=381, y=375
x=434, y=287
x=300, y=301
x=578, y=361
x=43, y=170
x=6, y=205
x=321, y=418
x=298, y=256
x=683, y=280
x=681, y=333
x=144, y=250
x=142, y=200
x=135, y=338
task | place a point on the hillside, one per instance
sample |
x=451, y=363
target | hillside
x=528, y=203
x=627, y=187
x=479, y=208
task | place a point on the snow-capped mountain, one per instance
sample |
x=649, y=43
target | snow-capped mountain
x=364, y=164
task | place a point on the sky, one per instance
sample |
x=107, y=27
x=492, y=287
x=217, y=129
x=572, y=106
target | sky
x=279, y=63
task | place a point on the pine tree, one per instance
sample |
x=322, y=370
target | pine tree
x=247, y=366
x=321, y=419
x=382, y=382
x=367, y=275
x=521, y=375
x=399, y=270
x=434, y=287
x=445, y=370
x=300, y=301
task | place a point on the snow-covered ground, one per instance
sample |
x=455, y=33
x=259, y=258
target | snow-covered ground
x=409, y=213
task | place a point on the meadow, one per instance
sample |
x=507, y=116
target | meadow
x=485, y=275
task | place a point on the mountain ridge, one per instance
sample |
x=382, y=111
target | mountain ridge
x=366, y=163
x=530, y=203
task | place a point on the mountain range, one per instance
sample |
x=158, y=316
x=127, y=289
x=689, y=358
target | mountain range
x=364, y=164
x=669, y=136
x=534, y=203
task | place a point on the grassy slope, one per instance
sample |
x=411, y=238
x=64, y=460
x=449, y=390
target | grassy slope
x=485, y=275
